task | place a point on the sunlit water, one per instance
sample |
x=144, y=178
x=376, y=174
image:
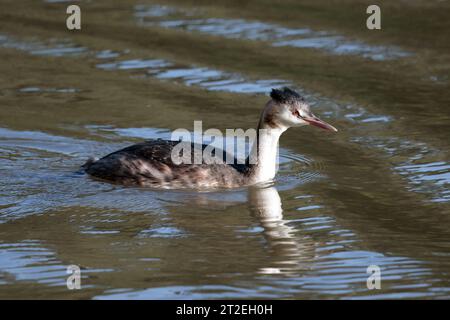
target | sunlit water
x=150, y=15
x=376, y=193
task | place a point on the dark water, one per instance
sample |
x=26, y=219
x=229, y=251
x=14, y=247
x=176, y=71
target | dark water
x=376, y=193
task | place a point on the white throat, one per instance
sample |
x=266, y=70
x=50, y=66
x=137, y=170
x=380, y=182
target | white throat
x=265, y=151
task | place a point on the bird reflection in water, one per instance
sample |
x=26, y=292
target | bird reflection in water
x=290, y=252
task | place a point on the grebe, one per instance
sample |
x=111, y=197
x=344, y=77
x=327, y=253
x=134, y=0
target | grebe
x=150, y=163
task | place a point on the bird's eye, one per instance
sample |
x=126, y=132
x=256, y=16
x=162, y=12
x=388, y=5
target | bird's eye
x=296, y=113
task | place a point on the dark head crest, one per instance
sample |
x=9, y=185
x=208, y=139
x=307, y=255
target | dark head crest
x=285, y=95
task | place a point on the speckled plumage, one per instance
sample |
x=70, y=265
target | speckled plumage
x=150, y=164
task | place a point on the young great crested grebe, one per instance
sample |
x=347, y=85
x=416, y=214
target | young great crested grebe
x=150, y=163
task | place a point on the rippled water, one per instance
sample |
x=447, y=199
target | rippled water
x=376, y=193
x=256, y=30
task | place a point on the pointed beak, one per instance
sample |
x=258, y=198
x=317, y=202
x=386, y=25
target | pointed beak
x=314, y=121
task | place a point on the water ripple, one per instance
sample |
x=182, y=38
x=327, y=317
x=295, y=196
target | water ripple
x=152, y=15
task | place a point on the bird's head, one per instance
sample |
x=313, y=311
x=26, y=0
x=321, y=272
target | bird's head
x=288, y=109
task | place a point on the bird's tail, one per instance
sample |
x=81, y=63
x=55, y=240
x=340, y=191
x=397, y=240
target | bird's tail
x=88, y=163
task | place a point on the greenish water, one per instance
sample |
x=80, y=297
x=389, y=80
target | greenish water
x=375, y=193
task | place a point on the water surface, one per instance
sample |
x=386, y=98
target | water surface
x=375, y=193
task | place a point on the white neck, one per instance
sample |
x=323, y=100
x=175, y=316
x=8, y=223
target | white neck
x=265, y=152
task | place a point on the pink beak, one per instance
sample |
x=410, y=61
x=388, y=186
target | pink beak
x=313, y=120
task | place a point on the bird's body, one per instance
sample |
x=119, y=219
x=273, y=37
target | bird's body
x=151, y=163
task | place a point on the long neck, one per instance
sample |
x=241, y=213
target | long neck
x=263, y=157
